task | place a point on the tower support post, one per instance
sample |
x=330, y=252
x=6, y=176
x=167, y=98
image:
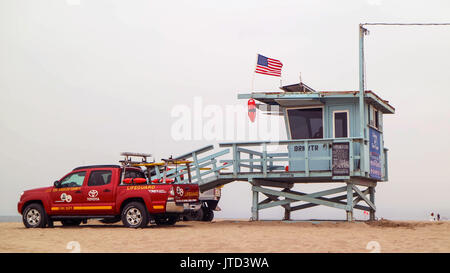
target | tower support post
x=349, y=209
x=287, y=212
x=255, y=201
x=372, y=199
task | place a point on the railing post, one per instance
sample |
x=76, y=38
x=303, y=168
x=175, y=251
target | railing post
x=197, y=169
x=264, y=159
x=235, y=162
x=352, y=163
x=251, y=162
x=238, y=159
x=306, y=158
x=213, y=163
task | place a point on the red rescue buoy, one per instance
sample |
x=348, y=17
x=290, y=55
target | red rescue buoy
x=251, y=110
x=134, y=180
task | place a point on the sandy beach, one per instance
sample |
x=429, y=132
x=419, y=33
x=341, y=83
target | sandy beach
x=233, y=236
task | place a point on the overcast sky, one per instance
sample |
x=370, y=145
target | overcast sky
x=82, y=81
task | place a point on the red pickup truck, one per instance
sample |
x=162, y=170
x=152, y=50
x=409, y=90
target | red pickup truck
x=104, y=192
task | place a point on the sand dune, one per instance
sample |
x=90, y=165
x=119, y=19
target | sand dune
x=233, y=236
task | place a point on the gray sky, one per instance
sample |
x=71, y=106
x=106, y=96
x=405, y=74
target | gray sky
x=82, y=81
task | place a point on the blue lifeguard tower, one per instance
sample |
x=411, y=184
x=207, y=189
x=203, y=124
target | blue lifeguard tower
x=324, y=146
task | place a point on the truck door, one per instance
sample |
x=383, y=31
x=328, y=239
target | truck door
x=66, y=198
x=98, y=193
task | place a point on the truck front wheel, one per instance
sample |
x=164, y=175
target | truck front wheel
x=134, y=215
x=34, y=216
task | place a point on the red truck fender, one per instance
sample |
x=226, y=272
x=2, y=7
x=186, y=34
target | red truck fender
x=36, y=197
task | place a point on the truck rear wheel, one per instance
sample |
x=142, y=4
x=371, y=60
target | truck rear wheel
x=208, y=214
x=194, y=215
x=34, y=216
x=134, y=215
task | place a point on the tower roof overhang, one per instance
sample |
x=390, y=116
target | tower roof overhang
x=288, y=99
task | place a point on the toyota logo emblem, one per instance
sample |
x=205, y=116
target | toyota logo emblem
x=93, y=193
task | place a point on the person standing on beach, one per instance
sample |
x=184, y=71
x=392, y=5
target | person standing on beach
x=438, y=217
x=432, y=217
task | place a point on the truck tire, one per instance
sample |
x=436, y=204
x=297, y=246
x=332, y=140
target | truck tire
x=208, y=214
x=194, y=215
x=34, y=216
x=134, y=215
x=71, y=222
x=166, y=220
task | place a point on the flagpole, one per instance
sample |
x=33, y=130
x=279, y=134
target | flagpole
x=281, y=79
x=254, y=72
x=253, y=81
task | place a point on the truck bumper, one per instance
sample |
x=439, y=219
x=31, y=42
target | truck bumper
x=193, y=207
x=20, y=206
x=173, y=207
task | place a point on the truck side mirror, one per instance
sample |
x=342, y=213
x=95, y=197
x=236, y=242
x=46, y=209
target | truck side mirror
x=56, y=184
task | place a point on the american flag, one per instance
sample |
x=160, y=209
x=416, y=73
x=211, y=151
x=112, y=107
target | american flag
x=268, y=66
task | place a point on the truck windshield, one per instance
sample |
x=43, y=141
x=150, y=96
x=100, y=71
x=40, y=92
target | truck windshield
x=73, y=180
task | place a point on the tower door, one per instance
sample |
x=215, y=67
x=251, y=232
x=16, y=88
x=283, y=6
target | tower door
x=341, y=124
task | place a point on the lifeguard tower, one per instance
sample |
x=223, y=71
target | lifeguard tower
x=334, y=138
x=324, y=146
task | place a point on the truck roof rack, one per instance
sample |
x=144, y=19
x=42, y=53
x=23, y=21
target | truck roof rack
x=135, y=154
x=128, y=160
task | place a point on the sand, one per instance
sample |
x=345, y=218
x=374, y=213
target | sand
x=232, y=236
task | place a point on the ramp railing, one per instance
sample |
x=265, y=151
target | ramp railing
x=202, y=166
x=305, y=158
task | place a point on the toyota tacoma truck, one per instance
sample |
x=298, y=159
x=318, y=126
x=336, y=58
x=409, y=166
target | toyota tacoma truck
x=105, y=192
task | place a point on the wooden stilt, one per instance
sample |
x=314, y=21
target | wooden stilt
x=349, y=202
x=372, y=199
